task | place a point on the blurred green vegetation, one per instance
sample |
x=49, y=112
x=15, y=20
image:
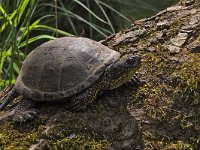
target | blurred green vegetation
x=25, y=24
x=16, y=28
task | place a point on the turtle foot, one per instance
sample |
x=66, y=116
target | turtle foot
x=20, y=117
x=25, y=111
x=85, y=99
x=78, y=104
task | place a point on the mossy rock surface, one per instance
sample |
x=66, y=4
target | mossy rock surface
x=106, y=124
x=167, y=105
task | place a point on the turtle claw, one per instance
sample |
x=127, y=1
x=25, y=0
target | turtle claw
x=25, y=111
x=20, y=117
x=136, y=80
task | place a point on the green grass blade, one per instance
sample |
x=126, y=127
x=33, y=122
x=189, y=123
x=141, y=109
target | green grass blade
x=21, y=8
x=7, y=82
x=53, y=30
x=90, y=18
x=15, y=66
x=85, y=21
x=93, y=14
x=33, y=39
x=107, y=18
x=114, y=10
x=70, y=21
x=4, y=54
x=26, y=30
x=79, y=18
x=6, y=16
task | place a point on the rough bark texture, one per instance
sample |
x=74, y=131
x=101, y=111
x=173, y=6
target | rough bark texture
x=163, y=112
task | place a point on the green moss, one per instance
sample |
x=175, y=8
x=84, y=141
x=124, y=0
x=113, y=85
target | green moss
x=170, y=98
x=167, y=79
x=156, y=102
x=177, y=23
x=188, y=79
x=179, y=145
x=75, y=139
x=20, y=136
x=79, y=142
x=198, y=38
x=14, y=139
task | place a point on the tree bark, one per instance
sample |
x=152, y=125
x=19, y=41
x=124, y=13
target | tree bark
x=167, y=105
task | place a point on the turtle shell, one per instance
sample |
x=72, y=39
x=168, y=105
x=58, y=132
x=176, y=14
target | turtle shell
x=63, y=67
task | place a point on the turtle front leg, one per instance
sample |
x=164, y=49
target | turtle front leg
x=82, y=101
x=24, y=111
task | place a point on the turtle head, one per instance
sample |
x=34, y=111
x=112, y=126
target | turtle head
x=121, y=72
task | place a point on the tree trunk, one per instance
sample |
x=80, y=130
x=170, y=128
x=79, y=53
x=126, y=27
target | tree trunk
x=167, y=105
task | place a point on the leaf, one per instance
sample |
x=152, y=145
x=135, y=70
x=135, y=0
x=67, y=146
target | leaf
x=33, y=39
x=21, y=8
x=81, y=4
x=107, y=18
x=53, y=30
x=114, y=10
x=6, y=16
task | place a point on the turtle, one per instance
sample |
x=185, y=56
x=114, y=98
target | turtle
x=71, y=69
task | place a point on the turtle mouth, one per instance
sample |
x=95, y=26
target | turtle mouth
x=134, y=60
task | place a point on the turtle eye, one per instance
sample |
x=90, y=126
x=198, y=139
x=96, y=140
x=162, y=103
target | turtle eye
x=133, y=59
